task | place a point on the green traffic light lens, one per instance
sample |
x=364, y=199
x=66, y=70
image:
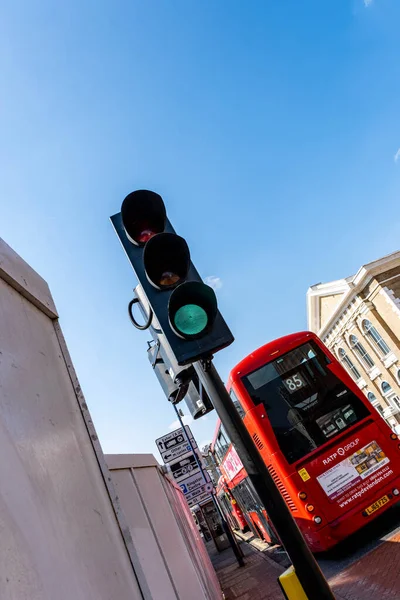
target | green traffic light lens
x=190, y=319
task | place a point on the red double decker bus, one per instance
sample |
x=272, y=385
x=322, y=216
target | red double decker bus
x=236, y=493
x=334, y=459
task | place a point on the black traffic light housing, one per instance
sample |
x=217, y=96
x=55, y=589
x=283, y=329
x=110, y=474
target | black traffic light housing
x=185, y=386
x=184, y=306
x=197, y=400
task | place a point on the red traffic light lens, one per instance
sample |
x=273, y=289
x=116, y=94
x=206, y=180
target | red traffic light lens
x=143, y=216
x=144, y=234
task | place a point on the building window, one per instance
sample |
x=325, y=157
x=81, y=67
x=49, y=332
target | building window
x=375, y=403
x=372, y=333
x=380, y=410
x=390, y=395
x=361, y=352
x=348, y=364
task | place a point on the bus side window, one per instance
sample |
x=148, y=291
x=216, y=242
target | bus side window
x=219, y=451
x=237, y=404
x=223, y=440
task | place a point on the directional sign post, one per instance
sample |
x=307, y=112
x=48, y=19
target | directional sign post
x=199, y=494
x=179, y=451
x=199, y=499
x=173, y=445
x=184, y=466
x=195, y=489
x=194, y=483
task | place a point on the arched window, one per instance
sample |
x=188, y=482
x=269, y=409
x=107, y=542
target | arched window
x=373, y=334
x=361, y=352
x=348, y=364
x=391, y=396
x=375, y=403
x=385, y=387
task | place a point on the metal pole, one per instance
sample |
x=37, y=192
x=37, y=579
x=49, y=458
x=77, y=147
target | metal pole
x=229, y=534
x=310, y=575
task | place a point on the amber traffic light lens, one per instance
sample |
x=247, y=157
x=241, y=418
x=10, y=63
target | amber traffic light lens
x=166, y=260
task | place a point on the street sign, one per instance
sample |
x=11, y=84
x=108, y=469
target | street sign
x=176, y=453
x=204, y=490
x=193, y=483
x=173, y=445
x=183, y=467
x=202, y=497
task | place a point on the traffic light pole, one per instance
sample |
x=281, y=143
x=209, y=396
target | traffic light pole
x=306, y=567
x=225, y=525
x=187, y=312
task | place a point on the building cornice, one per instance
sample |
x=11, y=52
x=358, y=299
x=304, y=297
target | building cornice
x=350, y=288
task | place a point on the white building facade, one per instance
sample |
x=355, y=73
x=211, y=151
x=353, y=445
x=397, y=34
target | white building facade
x=358, y=318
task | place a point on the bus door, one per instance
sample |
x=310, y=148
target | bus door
x=252, y=510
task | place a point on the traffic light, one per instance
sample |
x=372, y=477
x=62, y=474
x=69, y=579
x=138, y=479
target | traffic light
x=174, y=392
x=186, y=387
x=197, y=400
x=184, y=306
x=177, y=382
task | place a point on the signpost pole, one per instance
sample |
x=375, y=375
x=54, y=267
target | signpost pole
x=309, y=574
x=225, y=525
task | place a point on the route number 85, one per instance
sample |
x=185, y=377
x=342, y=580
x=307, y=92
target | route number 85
x=294, y=383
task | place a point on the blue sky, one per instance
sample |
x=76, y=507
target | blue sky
x=270, y=129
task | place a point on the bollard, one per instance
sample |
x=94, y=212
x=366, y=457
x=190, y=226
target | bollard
x=291, y=586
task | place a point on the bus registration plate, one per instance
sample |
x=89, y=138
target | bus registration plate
x=377, y=505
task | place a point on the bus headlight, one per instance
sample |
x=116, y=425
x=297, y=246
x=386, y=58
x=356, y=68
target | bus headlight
x=302, y=496
x=395, y=492
x=310, y=507
x=317, y=520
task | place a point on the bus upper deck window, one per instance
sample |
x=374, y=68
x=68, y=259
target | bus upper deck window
x=306, y=403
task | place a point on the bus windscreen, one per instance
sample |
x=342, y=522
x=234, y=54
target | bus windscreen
x=306, y=403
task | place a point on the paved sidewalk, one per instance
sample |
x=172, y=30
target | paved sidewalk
x=257, y=580
x=375, y=575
